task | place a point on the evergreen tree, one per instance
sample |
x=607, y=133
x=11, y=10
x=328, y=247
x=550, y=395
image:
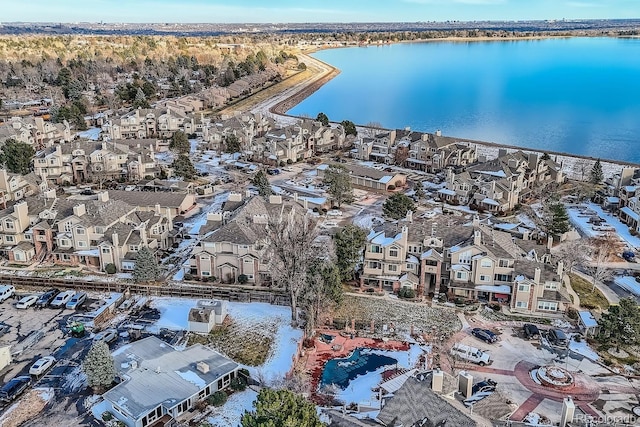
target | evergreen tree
x=146, y=268
x=349, y=244
x=338, y=180
x=559, y=219
x=397, y=206
x=180, y=143
x=140, y=100
x=281, y=408
x=621, y=325
x=349, y=128
x=322, y=118
x=262, y=184
x=16, y=156
x=232, y=144
x=420, y=194
x=99, y=367
x=596, y=173
x=183, y=167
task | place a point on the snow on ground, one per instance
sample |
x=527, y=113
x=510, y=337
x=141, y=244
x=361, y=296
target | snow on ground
x=196, y=221
x=229, y=414
x=579, y=218
x=583, y=348
x=179, y=275
x=629, y=283
x=91, y=133
x=366, y=221
x=174, y=314
x=75, y=380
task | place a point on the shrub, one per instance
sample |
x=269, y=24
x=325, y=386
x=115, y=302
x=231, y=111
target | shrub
x=218, y=398
x=110, y=268
x=406, y=293
x=289, y=161
x=238, y=384
x=391, y=187
x=572, y=313
x=107, y=416
x=244, y=372
x=243, y=278
x=188, y=276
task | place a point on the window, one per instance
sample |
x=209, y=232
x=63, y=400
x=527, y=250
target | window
x=106, y=250
x=409, y=266
x=486, y=263
x=484, y=278
x=523, y=288
x=82, y=244
x=431, y=262
x=66, y=257
x=17, y=256
x=392, y=267
x=67, y=226
x=461, y=275
x=502, y=278
x=503, y=263
x=8, y=225
x=547, y=306
x=64, y=242
x=134, y=248
x=521, y=304
x=248, y=261
x=9, y=239
x=550, y=286
x=376, y=249
x=206, y=273
x=374, y=264
x=393, y=252
x=79, y=230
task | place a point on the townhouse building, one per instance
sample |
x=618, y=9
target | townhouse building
x=35, y=131
x=539, y=289
x=374, y=179
x=14, y=187
x=235, y=240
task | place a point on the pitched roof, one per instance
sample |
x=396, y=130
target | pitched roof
x=415, y=401
x=149, y=198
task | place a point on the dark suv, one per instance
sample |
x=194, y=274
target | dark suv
x=14, y=388
x=484, y=335
x=558, y=337
x=531, y=331
x=46, y=298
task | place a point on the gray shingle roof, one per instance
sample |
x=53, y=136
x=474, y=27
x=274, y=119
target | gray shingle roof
x=149, y=198
x=415, y=401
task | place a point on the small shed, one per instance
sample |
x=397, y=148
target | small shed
x=206, y=315
x=587, y=324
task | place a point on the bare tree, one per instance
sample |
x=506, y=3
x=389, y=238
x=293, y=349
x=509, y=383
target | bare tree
x=573, y=255
x=291, y=252
x=600, y=250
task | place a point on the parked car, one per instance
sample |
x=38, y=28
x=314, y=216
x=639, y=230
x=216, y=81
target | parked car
x=62, y=298
x=558, y=338
x=334, y=212
x=42, y=365
x=329, y=224
x=14, y=388
x=76, y=300
x=484, y=334
x=629, y=256
x=484, y=386
x=26, y=302
x=6, y=292
x=530, y=331
x=46, y=298
x=108, y=336
x=471, y=354
x=87, y=192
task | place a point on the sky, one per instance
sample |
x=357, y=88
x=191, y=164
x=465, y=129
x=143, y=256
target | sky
x=279, y=11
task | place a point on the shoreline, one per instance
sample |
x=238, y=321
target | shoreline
x=281, y=106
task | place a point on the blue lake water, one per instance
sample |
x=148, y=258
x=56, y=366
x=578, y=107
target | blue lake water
x=574, y=95
x=341, y=371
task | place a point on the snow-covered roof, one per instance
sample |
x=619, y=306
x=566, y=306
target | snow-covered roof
x=456, y=267
x=382, y=240
x=489, y=201
x=631, y=214
x=385, y=179
x=499, y=174
x=447, y=192
x=322, y=167
x=506, y=226
x=412, y=259
x=587, y=319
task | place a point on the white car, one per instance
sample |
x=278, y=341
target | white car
x=334, y=212
x=329, y=224
x=41, y=365
x=108, y=336
x=62, y=299
x=26, y=302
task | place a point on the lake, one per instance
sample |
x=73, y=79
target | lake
x=573, y=95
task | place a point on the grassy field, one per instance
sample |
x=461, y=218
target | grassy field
x=588, y=298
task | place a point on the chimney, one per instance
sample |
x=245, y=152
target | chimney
x=50, y=194
x=560, y=270
x=247, y=194
x=202, y=367
x=550, y=242
x=568, y=410
x=409, y=216
x=115, y=240
x=214, y=216
x=275, y=200
x=465, y=384
x=536, y=275
x=103, y=196
x=305, y=203
x=235, y=197
x=477, y=237
x=79, y=210
x=437, y=380
x=133, y=364
x=476, y=221
x=158, y=211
